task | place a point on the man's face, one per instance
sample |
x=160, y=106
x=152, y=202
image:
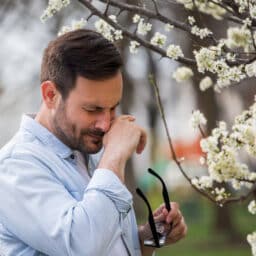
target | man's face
x=86, y=114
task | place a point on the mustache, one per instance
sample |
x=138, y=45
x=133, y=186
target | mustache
x=95, y=132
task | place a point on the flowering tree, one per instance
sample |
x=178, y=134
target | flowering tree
x=219, y=62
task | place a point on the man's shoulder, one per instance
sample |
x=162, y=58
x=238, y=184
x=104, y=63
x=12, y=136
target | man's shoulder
x=22, y=145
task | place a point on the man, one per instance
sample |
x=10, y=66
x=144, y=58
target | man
x=57, y=197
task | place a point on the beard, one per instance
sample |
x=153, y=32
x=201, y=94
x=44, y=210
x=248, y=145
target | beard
x=87, y=141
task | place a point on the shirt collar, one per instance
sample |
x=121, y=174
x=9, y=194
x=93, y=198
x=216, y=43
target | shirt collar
x=29, y=124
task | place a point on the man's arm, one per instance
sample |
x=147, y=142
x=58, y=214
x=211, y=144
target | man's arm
x=41, y=212
x=120, y=142
x=38, y=209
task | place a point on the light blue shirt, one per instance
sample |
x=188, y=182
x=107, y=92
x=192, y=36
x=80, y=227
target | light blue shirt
x=47, y=207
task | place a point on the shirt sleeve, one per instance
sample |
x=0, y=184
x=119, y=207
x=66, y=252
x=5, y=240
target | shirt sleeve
x=39, y=210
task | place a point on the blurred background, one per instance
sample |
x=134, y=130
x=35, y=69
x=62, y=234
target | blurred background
x=212, y=230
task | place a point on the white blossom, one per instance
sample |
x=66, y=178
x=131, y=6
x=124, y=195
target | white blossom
x=182, y=74
x=250, y=69
x=205, y=59
x=113, y=18
x=143, y=27
x=174, y=51
x=202, y=160
x=210, y=8
x=105, y=29
x=206, y=7
x=158, y=39
x=209, y=145
x=247, y=22
x=191, y=20
x=53, y=7
x=168, y=27
x=231, y=56
x=118, y=34
x=238, y=37
x=195, y=182
x=252, y=176
x=252, y=207
x=252, y=10
x=75, y=25
x=220, y=194
x=201, y=32
x=205, y=83
x=197, y=119
x=136, y=18
x=251, y=238
x=188, y=4
x=134, y=47
x=204, y=182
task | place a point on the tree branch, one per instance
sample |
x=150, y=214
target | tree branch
x=239, y=199
x=132, y=36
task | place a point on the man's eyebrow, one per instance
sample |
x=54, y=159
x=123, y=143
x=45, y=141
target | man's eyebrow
x=88, y=105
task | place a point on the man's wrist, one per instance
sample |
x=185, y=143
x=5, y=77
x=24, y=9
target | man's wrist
x=145, y=250
x=114, y=164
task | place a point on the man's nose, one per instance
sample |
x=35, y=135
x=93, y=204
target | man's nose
x=104, y=121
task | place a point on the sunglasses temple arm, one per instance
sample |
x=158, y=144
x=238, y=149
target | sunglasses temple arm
x=164, y=190
x=150, y=218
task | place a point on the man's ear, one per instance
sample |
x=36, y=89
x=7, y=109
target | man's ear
x=50, y=94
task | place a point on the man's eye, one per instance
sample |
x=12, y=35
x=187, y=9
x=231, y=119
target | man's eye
x=88, y=109
x=93, y=110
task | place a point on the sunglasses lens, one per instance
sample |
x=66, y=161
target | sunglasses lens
x=162, y=233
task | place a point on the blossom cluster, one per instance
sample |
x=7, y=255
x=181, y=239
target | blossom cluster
x=172, y=51
x=252, y=207
x=204, y=6
x=210, y=59
x=205, y=83
x=201, y=32
x=251, y=238
x=197, y=119
x=53, y=7
x=134, y=47
x=75, y=25
x=239, y=37
x=108, y=31
x=222, y=148
x=216, y=59
x=182, y=74
x=158, y=39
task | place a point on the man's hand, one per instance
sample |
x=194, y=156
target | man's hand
x=123, y=138
x=179, y=227
x=174, y=218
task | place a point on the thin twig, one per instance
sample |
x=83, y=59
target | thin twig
x=201, y=131
x=156, y=7
x=173, y=154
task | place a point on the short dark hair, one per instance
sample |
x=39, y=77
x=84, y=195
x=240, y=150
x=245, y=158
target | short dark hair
x=83, y=53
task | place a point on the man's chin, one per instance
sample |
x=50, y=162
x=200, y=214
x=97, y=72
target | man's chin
x=92, y=149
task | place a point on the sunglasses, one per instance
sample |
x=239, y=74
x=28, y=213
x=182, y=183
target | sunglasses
x=158, y=235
